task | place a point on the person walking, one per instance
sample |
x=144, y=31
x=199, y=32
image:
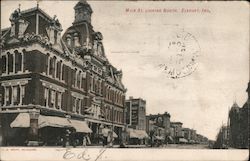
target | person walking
x=84, y=142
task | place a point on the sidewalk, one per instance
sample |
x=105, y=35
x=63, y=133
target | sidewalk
x=114, y=146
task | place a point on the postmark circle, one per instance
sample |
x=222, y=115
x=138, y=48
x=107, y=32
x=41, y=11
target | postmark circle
x=181, y=56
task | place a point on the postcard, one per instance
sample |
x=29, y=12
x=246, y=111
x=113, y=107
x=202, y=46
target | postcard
x=124, y=80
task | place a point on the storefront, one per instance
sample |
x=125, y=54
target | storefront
x=137, y=137
x=36, y=129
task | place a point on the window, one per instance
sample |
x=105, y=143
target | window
x=52, y=98
x=3, y=64
x=58, y=68
x=82, y=106
x=16, y=94
x=92, y=83
x=74, y=104
x=10, y=63
x=55, y=36
x=78, y=105
x=7, y=95
x=59, y=101
x=100, y=88
x=46, y=100
x=46, y=64
x=63, y=72
x=74, y=77
x=49, y=99
x=78, y=79
x=51, y=66
x=83, y=83
x=18, y=61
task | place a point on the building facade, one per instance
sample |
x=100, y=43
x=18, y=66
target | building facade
x=239, y=124
x=176, y=131
x=136, y=113
x=222, y=138
x=136, y=120
x=53, y=83
x=158, y=127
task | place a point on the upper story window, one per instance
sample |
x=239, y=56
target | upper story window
x=18, y=61
x=12, y=62
x=3, y=63
x=14, y=93
x=52, y=66
x=79, y=79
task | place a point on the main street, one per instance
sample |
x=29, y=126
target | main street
x=169, y=146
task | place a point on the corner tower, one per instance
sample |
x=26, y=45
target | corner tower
x=83, y=12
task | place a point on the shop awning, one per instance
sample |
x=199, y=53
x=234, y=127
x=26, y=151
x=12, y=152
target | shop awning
x=105, y=132
x=159, y=137
x=183, y=140
x=22, y=120
x=140, y=134
x=170, y=138
x=53, y=121
x=80, y=126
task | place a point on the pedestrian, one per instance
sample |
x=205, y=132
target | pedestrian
x=84, y=141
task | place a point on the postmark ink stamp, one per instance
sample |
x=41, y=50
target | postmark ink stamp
x=181, y=56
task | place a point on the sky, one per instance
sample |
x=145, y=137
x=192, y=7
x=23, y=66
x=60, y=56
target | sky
x=138, y=43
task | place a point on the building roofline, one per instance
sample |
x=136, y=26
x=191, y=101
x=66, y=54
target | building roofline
x=36, y=9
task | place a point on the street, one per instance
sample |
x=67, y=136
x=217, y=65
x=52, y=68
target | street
x=169, y=146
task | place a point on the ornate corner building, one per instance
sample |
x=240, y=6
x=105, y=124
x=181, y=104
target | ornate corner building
x=50, y=83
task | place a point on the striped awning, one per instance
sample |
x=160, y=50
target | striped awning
x=140, y=134
x=159, y=137
x=183, y=140
x=81, y=126
x=106, y=131
x=53, y=121
x=23, y=120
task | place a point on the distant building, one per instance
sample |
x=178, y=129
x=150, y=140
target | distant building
x=136, y=120
x=187, y=133
x=193, y=135
x=239, y=124
x=158, y=126
x=221, y=139
x=136, y=113
x=176, y=131
x=204, y=140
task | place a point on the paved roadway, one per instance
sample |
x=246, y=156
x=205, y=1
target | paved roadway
x=169, y=146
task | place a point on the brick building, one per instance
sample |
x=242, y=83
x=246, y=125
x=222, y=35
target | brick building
x=239, y=124
x=136, y=119
x=176, y=128
x=221, y=139
x=158, y=126
x=136, y=113
x=51, y=84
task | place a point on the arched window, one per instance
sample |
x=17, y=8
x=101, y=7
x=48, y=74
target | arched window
x=83, y=85
x=46, y=65
x=18, y=61
x=78, y=79
x=3, y=64
x=51, y=66
x=58, y=69
x=64, y=72
x=10, y=63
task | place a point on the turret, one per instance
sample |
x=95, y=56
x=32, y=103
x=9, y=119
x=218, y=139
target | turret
x=83, y=12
